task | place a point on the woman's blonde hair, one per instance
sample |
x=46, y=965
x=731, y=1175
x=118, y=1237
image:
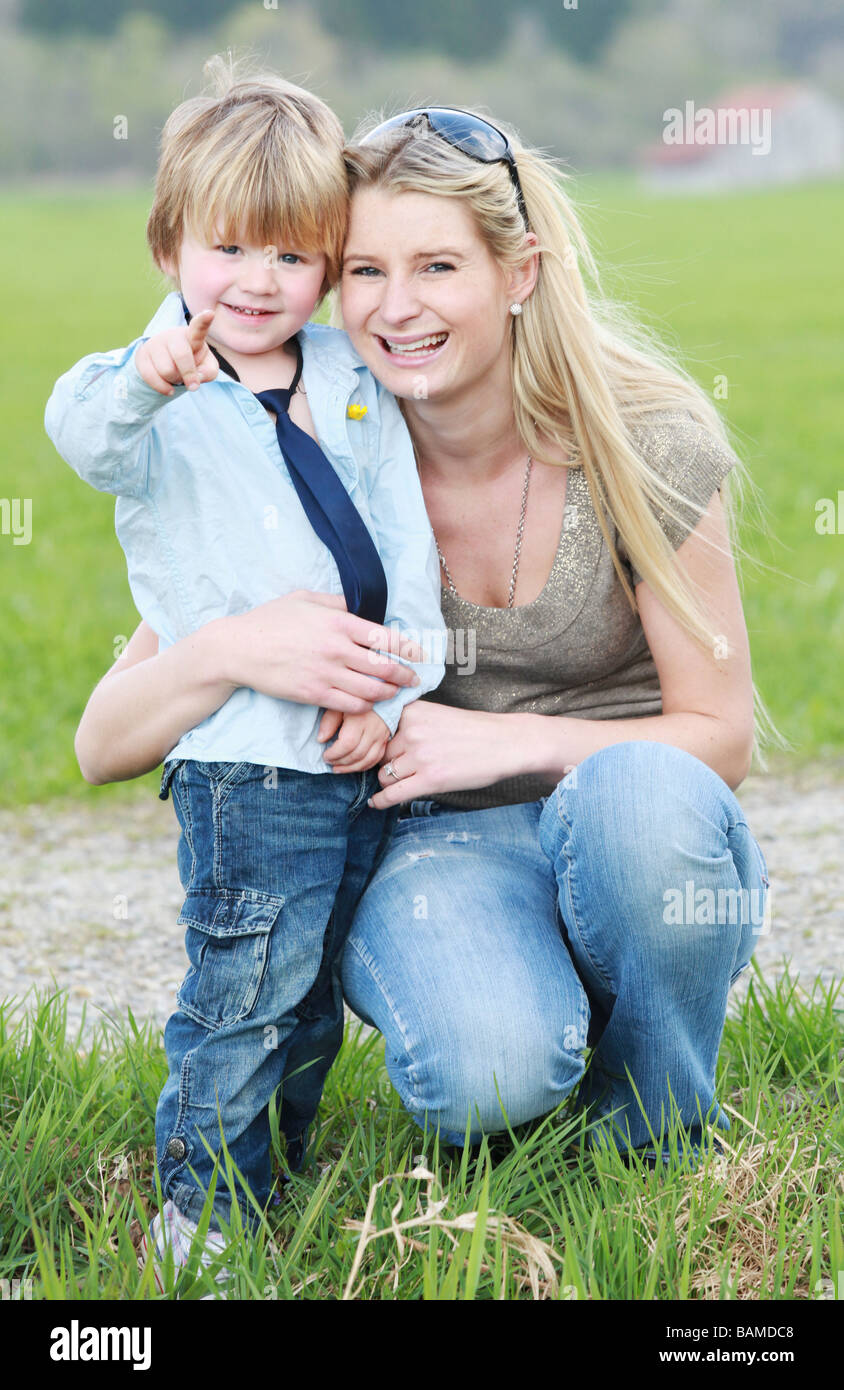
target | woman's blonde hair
x=255, y=157
x=585, y=374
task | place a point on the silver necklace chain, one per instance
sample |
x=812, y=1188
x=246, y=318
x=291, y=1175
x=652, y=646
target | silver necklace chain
x=518, y=551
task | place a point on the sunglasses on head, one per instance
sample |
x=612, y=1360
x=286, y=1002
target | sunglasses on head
x=467, y=133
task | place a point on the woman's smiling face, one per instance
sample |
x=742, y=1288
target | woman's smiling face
x=424, y=303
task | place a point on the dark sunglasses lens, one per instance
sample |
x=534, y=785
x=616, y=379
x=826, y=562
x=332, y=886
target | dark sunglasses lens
x=473, y=136
x=394, y=123
x=469, y=134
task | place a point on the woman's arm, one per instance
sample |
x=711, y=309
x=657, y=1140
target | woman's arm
x=707, y=702
x=303, y=646
x=145, y=702
x=707, y=697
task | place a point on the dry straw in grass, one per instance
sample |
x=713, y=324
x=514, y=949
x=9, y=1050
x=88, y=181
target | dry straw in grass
x=744, y=1227
x=531, y=1260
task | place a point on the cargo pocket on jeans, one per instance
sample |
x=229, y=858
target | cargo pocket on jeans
x=227, y=940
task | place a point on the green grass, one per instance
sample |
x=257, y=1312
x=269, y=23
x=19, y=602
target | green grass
x=381, y=1213
x=747, y=285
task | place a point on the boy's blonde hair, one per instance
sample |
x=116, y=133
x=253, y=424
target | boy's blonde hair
x=258, y=157
x=585, y=374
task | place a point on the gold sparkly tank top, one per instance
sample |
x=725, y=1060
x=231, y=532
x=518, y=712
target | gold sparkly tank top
x=577, y=649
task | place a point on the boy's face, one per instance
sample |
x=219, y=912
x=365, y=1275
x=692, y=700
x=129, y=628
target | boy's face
x=261, y=295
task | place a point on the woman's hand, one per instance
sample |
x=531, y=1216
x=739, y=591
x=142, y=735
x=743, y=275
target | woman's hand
x=307, y=647
x=304, y=647
x=437, y=748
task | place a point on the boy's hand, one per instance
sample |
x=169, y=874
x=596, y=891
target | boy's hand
x=178, y=356
x=361, y=743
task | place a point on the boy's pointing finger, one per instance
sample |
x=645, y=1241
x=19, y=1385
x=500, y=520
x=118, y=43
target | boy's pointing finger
x=198, y=328
x=182, y=356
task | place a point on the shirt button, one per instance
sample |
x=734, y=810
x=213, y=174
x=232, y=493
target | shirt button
x=177, y=1149
x=250, y=407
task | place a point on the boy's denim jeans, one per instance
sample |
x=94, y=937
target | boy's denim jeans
x=493, y=946
x=273, y=862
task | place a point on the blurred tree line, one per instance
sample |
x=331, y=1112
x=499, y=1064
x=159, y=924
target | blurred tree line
x=468, y=29
x=102, y=17
x=85, y=85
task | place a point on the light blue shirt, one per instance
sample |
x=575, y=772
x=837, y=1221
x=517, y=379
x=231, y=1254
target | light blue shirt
x=211, y=523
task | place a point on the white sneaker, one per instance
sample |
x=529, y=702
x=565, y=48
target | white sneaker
x=177, y=1233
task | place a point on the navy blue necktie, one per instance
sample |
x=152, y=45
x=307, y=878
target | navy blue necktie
x=328, y=506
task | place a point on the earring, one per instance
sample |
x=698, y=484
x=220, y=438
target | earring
x=515, y=309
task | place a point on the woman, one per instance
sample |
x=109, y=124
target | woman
x=572, y=868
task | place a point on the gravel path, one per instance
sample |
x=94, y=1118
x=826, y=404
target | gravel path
x=91, y=894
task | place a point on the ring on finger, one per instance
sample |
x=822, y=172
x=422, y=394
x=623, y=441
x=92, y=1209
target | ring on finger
x=390, y=771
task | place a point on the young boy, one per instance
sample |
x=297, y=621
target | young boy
x=248, y=220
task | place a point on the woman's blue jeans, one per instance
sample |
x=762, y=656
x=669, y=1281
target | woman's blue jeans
x=493, y=946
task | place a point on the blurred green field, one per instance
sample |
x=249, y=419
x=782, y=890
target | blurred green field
x=746, y=286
